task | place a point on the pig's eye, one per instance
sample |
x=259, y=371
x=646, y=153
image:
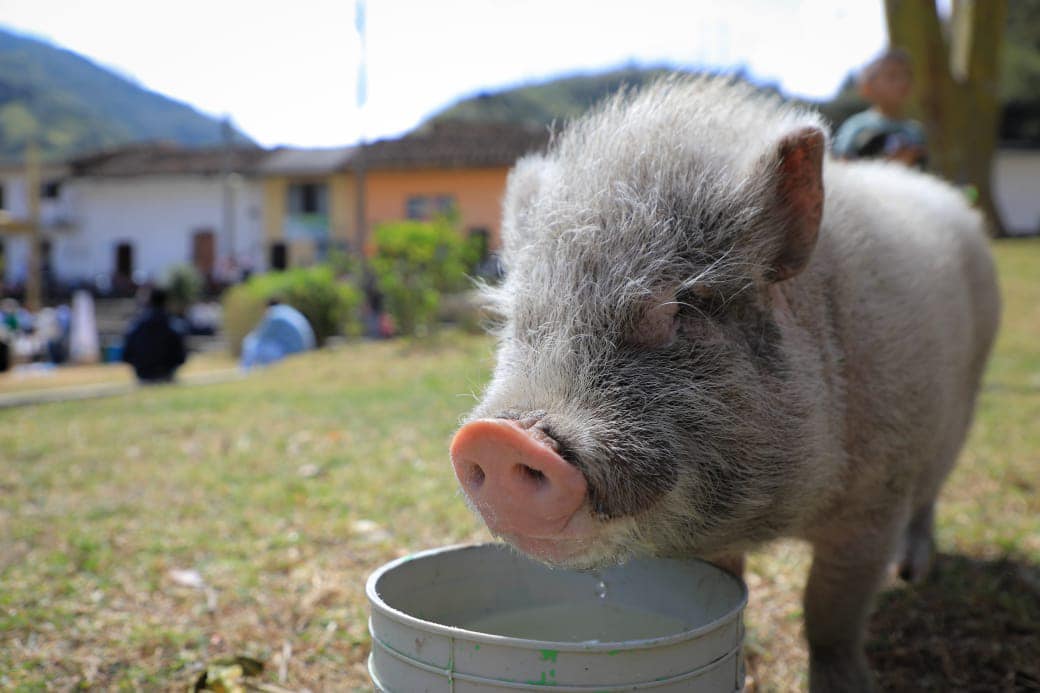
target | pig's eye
x=698, y=303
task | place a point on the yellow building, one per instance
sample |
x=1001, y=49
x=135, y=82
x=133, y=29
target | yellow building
x=310, y=196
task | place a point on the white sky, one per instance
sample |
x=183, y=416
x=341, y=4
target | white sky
x=286, y=71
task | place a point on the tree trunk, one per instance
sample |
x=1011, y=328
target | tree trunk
x=981, y=98
x=955, y=92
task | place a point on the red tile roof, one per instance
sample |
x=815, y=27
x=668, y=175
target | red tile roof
x=160, y=158
x=443, y=145
x=454, y=145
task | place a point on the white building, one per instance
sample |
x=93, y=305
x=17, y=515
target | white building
x=127, y=215
x=1016, y=189
x=14, y=206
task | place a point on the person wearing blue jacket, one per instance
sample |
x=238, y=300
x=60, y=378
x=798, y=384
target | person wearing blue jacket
x=283, y=331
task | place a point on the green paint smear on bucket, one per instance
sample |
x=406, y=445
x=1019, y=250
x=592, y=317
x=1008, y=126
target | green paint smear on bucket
x=549, y=655
x=476, y=647
x=547, y=679
x=613, y=652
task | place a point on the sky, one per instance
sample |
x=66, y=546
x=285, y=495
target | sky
x=286, y=73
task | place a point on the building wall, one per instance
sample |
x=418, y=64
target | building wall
x=1016, y=183
x=341, y=191
x=478, y=193
x=275, y=193
x=158, y=215
x=54, y=212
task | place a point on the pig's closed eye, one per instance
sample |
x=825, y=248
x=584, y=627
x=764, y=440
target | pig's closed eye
x=656, y=326
x=698, y=304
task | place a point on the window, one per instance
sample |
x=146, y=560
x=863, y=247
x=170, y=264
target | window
x=415, y=207
x=429, y=206
x=308, y=198
x=444, y=204
x=50, y=190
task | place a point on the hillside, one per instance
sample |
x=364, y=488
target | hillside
x=541, y=104
x=71, y=105
x=567, y=97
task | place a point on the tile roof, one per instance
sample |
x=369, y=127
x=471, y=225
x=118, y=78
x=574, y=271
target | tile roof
x=452, y=144
x=160, y=158
x=455, y=144
x=288, y=160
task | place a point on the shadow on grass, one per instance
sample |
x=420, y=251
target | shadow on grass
x=972, y=626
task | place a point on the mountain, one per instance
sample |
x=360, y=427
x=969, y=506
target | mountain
x=72, y=105
x=562, y=99
x=541, y=104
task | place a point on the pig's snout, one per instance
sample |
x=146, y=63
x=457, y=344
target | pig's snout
x=518, y=482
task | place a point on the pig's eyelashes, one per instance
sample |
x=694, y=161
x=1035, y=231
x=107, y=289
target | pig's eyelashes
x=697, y=304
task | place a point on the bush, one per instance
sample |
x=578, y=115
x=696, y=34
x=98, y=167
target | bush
x=329, y=305
x=183, y=284
x=414, y=263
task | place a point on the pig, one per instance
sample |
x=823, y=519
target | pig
x=714, y=335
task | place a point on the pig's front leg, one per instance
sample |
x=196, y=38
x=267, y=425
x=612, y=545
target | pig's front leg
x=847, y=569
x=732, y=563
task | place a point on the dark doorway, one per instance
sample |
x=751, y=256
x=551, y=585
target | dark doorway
x=125, y=261
x=45, y=257
x=279, y=256
x=204, y=252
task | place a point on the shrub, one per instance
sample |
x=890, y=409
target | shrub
x=183, y=284
x=414, y=263
x=329, y=305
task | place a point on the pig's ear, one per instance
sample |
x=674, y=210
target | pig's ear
x=522, y=188
x=798, y=199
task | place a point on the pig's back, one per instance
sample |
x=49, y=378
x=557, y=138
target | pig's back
x=913, y=303
x=912, y=251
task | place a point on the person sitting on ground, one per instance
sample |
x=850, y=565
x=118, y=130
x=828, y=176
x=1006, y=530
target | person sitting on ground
x=883, y=131
x=283, y=331
x=154, y=345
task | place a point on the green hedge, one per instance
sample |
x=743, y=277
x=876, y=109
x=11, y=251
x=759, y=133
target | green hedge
x=330, y=305
x=415, y=262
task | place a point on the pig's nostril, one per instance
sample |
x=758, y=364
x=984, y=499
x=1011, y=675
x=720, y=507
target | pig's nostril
x=474, y=476
x=531, y=475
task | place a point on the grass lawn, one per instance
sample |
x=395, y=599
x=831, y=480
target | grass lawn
x=147, y=535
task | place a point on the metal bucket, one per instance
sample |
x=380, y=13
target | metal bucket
x=484, y=618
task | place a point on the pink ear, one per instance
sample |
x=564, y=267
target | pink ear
x=799, y=199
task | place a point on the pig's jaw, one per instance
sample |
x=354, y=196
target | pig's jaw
x=584, y=543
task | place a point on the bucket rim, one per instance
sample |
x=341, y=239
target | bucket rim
x=607, y=646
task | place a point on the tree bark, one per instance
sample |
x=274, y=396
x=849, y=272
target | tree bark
x=955, y=93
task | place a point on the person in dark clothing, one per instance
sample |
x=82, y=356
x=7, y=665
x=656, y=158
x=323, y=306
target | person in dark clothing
x=154, y=345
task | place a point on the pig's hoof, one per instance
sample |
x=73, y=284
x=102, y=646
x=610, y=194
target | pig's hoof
x=917, y=561
x=840, y=675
